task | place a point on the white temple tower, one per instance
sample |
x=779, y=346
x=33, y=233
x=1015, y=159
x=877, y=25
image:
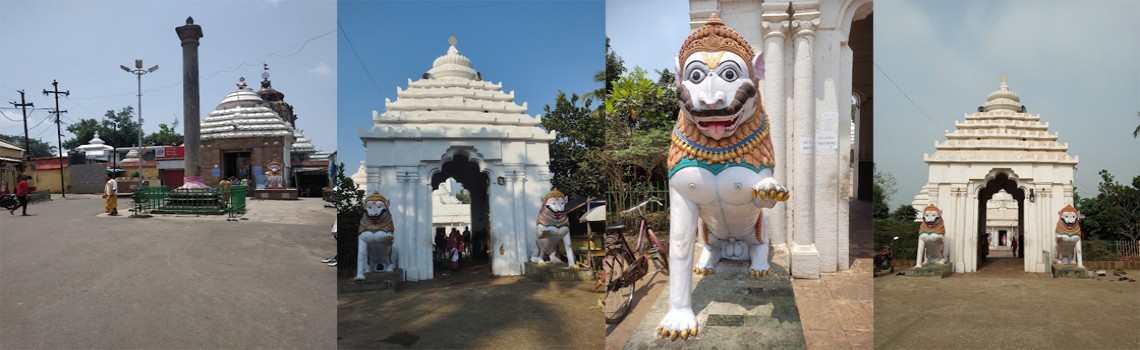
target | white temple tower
x=452, y=124
x=999, y=147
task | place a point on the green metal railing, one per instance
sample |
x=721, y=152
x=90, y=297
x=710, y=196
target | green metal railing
x=164, y=200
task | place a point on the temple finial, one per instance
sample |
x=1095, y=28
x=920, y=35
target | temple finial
x=452, y=40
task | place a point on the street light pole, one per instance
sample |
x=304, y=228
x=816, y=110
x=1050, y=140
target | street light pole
x=139, y=71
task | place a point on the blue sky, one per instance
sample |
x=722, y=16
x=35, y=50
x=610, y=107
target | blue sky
x=534, y=48
x=1080, y=72
x=654, y=38
x=82, y=44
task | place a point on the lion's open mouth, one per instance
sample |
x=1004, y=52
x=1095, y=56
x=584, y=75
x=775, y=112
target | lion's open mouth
x=717, y=128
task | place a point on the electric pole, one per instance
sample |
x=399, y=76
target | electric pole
x=24, y=106
x=59, y=131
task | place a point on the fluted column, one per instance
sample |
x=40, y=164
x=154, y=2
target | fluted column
x=775, y=23
x=805, y=256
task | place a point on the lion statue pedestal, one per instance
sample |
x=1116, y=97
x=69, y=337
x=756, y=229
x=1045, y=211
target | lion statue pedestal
x=375, y=250
x=720, y=167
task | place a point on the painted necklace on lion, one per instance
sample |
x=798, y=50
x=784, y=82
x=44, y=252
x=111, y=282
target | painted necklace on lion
x=548, y=218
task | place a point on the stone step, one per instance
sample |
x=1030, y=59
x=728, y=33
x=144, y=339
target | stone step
x=733, y=311
x=1070, y=271
x=376, y=281
x=555, y=272
x=931, y=270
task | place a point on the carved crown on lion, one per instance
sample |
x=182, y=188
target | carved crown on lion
x=376, y=196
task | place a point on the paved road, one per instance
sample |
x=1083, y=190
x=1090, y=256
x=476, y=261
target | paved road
x=999, y=308
x=70, y=278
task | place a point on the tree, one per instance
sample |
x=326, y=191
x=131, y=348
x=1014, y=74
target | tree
x=882, y=190
x=904, y=213
x=167, y=135
x=463, y=196
x=117, y=129
x=37, y=148
x=574, y=162
x=1114, y=213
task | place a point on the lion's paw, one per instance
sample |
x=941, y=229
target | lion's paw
x=678, y=323
x=359, y=278
x=703, y=271
x=758, y=273
x=769, y=189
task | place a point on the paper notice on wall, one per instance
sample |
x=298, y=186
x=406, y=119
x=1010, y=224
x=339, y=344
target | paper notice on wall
x=807, y=146
x=827, y=133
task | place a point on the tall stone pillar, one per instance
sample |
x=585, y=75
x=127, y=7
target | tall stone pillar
x=191, y=114
x=775, y=18
x=805, y=256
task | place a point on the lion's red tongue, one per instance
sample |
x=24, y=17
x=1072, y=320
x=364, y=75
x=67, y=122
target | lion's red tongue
x=716, y=129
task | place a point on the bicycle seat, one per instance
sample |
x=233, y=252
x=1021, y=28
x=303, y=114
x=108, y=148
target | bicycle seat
x=617, y=227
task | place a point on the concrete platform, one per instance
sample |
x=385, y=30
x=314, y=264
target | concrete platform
x=1070, y=271
x=555, y=272
x=734, y=311
x=376, y=281
x=932, y=270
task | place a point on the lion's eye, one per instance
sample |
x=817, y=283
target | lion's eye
x=730, y=74
x=696, y=76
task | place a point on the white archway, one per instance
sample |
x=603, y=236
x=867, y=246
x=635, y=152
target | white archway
x=453, y=119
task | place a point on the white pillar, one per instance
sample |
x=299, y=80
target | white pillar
x=805, y=256
x=775, y=23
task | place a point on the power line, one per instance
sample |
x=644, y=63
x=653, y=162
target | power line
x=354, y=53
x=907, y=96
x=220, y=71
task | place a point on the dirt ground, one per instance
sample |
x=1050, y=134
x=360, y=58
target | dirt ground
x=472, y=309
x=1000, y=308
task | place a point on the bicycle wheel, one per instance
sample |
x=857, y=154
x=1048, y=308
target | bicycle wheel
x=619, y=295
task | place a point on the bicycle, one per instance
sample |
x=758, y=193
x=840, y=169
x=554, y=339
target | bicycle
x=622, y=266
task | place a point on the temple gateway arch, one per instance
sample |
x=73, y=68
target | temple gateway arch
x=1001, y=147
x=452, y=124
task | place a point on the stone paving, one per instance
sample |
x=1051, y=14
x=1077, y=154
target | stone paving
x=732, y=310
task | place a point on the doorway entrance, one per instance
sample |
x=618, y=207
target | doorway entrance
x=237, y=164
x=448, y=212
x=999, y=183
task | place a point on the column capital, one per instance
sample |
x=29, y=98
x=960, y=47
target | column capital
x=806, y=27
x=775, y=28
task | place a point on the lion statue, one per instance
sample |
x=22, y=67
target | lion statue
x=931, y=238
x=720, y=166
x=376, y=236
x=1068, y=238
x=553, y=227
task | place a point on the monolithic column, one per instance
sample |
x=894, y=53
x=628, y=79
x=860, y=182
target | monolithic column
x=805, y=257
x=775, y=22
x=189, y=34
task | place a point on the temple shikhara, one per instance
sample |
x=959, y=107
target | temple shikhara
x=1000, y=152
x=453, y=124
x=251, y=132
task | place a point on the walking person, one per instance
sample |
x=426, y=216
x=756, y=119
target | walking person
x=467, y=241
x=1013, y=245
x=21, y=196
x=110, y=195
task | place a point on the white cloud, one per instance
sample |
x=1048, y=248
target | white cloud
x=322, y=69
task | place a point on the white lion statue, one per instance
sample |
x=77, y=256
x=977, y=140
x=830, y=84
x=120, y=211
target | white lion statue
x=720, y=166
x=376, y=236
x=1069, y=238
x=553, y=228
x=931, y=238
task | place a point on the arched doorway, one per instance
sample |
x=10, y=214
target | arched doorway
x=1000, y=182
x=475, y=184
